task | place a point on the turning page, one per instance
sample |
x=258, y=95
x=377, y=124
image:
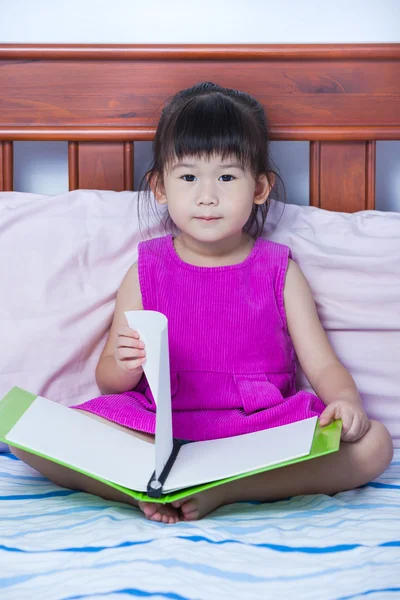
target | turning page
x=152, y=327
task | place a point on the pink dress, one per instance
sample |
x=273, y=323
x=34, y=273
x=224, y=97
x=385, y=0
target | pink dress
x=232, y=360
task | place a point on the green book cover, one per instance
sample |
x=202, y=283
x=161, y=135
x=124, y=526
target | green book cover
x=20, y=405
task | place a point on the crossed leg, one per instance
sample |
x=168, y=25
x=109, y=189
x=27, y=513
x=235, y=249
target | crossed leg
x=353, y=465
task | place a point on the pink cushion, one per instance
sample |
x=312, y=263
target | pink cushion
x=62, y=259
x=352, y=263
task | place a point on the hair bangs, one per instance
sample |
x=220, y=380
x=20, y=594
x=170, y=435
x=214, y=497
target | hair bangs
x=211, y=126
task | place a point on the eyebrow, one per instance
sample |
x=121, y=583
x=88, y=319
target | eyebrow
x=230, y=166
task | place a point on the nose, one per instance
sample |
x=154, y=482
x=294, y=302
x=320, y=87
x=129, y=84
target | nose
x=207, y=194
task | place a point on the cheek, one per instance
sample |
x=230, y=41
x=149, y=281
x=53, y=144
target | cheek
x=240, y=209
x=178, y=211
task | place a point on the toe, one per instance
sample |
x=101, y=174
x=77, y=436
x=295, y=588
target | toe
x=192, y=515
x=162, y=513
x=189, y=506
x=149, y=508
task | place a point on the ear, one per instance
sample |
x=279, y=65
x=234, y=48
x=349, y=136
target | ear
x=263, y=188
x=157, y=187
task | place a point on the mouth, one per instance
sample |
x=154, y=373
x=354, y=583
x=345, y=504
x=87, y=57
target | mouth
x=208, y=218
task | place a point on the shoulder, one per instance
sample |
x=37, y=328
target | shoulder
x=295, y=280
x=297, y=293
x=131, y=276
x=153, y=244
x=129, y=290
x=274, y=258
x=275, y=246
x=275, y=250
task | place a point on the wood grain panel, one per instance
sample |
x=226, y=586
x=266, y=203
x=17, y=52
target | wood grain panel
x=101, y=166
x=6, y=167
x=342, y=175
x=359, y=90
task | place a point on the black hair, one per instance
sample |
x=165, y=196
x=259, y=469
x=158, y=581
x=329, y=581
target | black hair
x=209, y=120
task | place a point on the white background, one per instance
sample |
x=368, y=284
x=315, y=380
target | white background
x=42, y=167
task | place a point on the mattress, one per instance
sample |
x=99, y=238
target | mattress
x=59, y=544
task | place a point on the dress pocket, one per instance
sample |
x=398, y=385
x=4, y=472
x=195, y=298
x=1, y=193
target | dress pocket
x=257, y=393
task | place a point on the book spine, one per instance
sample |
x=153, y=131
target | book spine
x=155, y=486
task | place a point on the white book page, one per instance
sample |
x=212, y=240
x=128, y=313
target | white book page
x=74, y=438
x=202, y=462
x=152, y=327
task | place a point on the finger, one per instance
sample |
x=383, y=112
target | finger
x=363, y=424
x=125, y=330
x=130, y=365
x=366, y=424
x=128, y=342
x=347, y=422
x=327, y=416
x=129, y=353
x=351, y=432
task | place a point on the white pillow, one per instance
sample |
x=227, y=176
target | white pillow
x=62, y=259
x=352, y=263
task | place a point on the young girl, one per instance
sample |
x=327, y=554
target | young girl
x=239, y=311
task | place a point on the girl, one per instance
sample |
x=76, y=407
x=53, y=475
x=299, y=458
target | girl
x=239, y=311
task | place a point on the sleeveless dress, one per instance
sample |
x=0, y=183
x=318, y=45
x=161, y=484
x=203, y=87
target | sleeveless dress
x=232, y=361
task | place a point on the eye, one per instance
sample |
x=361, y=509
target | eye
x=231, y=177
x=190, y=180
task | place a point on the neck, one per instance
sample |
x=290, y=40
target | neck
x=222, y=252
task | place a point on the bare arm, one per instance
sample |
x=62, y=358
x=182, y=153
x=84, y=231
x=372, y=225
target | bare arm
x=327, y=376
x=110, y=377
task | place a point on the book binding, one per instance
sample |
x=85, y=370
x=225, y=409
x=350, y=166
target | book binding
x=155, y=486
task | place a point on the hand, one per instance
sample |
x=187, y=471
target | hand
x=355, y=422
x=129, y=350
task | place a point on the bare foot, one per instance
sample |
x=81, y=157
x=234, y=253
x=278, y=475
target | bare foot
x=199, y=505
x=163, y=513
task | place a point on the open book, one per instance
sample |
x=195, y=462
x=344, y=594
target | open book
x=166, y=470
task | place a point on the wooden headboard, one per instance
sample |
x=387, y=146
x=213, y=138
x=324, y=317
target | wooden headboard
x=101, y=99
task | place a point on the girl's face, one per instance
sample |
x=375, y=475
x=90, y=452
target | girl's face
x=210, y=199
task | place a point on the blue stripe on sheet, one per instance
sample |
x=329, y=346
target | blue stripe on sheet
x=132, y=592
x=388, y=486
x=57, y=544
x=370, y=592
x=284, y=549
x=58, y=493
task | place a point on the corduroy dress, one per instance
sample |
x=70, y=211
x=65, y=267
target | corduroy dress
x=232, y=361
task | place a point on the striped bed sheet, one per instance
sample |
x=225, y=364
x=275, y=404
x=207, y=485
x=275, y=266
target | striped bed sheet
x=56, y=544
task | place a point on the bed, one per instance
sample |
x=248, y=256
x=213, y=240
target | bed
x=59, y=544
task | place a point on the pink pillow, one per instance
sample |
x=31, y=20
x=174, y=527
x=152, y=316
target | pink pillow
x=352, y=263
x=62, y=259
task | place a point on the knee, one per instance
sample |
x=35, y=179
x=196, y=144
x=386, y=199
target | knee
x=377, y=452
